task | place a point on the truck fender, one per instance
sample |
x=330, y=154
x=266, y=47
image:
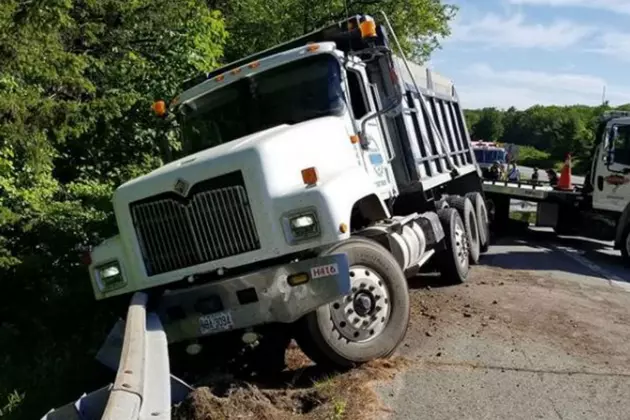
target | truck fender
x=623, y=222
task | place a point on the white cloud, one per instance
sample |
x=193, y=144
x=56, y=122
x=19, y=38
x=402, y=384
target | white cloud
x=614, y=44
x=619, y=6
x=524, y=88
x=513, y=31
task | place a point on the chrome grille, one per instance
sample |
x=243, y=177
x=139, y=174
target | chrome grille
x=215, y=222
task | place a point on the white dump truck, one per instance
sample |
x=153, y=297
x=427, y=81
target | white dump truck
x=599, y=209
x=314, y=177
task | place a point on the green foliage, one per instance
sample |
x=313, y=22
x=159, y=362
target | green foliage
x=77, y=78
x=255, y=25
x=530, y=156
x=552, y=130
x=76, y=82
x=487, y=125
x=14, y=399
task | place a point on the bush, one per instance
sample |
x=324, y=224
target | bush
x=530, y=156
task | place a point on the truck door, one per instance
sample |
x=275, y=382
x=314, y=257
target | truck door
x=612, y=179
x=376, y=155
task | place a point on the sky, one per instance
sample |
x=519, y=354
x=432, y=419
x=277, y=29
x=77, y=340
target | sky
x=519, y=53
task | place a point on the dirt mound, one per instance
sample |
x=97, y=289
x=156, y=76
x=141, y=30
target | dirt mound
x=249, y=401
x=301, y=392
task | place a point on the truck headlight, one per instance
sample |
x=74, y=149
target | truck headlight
x=109, y=277
x=301, y=225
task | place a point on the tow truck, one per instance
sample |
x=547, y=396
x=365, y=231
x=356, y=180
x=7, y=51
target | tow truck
x=599, y=209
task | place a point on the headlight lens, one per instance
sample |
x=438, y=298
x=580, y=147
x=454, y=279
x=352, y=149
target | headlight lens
x=109, y=277
x=302, y=225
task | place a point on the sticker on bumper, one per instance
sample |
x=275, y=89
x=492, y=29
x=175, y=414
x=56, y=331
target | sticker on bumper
x=324, y=271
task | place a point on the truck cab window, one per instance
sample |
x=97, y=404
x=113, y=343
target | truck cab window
x=622, y=145
x=357, y=95
x=288, y=94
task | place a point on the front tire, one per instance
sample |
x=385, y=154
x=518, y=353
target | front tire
x=367, y=324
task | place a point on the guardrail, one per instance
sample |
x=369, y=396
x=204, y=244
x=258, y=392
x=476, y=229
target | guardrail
x=142, y=388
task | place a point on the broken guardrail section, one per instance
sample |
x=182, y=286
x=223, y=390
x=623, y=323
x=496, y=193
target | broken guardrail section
x=142, y=388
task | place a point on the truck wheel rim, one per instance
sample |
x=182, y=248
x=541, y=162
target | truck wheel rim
x=461, y=244
x=628, y=244
x=364, y=313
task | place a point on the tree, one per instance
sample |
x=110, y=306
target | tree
x=489, y=127
x=255, y=25
x=77, y=78
x=547, y=132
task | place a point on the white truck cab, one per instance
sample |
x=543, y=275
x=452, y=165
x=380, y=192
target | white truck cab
x=610, y=175
x=611, y=167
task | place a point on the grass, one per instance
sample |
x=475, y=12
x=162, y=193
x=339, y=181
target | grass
x=339, y=407
x=328, y=386
x=13, y=402
x=315, y=396
x=524, y=216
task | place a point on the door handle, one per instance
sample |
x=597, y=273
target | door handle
x=600, y=183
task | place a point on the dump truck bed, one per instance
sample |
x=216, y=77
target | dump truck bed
x=431, y=131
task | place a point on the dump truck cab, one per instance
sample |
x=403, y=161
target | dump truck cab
x=313, y=177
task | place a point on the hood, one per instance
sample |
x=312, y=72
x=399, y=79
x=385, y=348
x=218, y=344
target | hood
x=244, y=154
x=212, y=153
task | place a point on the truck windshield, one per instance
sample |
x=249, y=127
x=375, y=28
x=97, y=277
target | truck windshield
x=288, y=94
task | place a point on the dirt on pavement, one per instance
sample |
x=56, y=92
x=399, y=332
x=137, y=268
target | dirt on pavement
x=586, y=320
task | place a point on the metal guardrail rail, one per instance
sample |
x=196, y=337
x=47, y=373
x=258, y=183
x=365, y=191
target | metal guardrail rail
x=142, y=388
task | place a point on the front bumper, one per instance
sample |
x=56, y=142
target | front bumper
x=252, y=299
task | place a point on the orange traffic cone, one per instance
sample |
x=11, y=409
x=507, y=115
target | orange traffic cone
x=564, y=183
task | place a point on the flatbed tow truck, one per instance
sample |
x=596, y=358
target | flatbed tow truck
x=599, y=209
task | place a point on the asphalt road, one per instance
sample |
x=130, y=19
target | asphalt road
x=540, y=333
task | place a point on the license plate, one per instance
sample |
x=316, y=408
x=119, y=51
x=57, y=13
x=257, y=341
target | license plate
x=213, y=323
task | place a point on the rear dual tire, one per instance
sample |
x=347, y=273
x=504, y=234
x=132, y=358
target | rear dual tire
x=454, y=260
x=625, y=246
x=467, y=214
x=370, y=322
x=483, y=220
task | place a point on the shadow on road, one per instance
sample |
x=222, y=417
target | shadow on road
x=519, y=247
x=427, y=281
